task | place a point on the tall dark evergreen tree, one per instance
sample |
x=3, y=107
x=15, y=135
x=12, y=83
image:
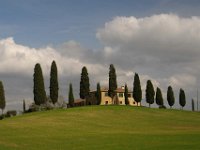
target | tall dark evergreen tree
x=182, y=100
x=193, y=105
x=150, y=93
x=137, y=91
x=54, y=83
x=126, y=95
x=98, y=94
x=38, y=86
x=24, y=106
x=84, y=83
x=159, y=97
x=170, y=96
x=112, y=81
x=2, y=97
x=71, y=96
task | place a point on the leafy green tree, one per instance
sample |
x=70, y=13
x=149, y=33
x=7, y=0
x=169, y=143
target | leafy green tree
x=137, y=91
x=71, y=96
x=54, y=83
x=126, y=94
x=112, y=81
x=84, y=83
x=170, y=96
x=182, y=100
x=150, y=93
x=24, y=106
x=38, y=86
x=192, y=104
x=98, y=94
x=2, y=97
x=159, y=97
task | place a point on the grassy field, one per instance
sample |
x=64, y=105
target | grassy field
x=102, y=127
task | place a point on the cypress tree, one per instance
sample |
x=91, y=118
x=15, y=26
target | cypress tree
x=24, y=106
x=54, y=83
x=98, y=94
x=182, y=100
x=71, y=96
x=159, y=98
x=192, y=104
x=2, y=97
x=84, y=83
x=150, y=93
x=38, y=86
x=126, y=94
x=137, y=91
x=112, y=81
x=170, y=96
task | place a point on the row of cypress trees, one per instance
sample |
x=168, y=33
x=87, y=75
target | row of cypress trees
x=40, y=94
x=39, y=88
x=150, y=93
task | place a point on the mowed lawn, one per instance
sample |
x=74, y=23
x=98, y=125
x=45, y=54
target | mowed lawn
x=102, y=127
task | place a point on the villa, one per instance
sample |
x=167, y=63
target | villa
x=118, y=99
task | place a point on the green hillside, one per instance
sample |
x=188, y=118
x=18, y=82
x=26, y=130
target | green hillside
x=102, y=127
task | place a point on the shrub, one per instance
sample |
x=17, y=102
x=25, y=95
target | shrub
x=162, y=107
x=11, y=113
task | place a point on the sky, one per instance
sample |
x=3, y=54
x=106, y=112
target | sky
x=159, y=39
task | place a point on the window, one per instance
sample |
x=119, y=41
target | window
x=133, y=102
x=121, y=95
x=106, y=102
x=106, y=93
x=129, y=95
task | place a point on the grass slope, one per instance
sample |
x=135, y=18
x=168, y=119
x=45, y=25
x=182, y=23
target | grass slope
x=102, y=127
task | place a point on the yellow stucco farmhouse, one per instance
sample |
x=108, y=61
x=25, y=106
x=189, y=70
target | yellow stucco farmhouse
x=119, y=98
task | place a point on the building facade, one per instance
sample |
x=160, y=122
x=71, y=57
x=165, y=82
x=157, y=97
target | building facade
x=119, y=98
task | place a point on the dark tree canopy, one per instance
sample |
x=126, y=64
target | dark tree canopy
x=137, y=91
x=38, y=86
x=150, y=93
x=98, y=94
x=71, y=96
x=112, y=81
x=24, y=106
x=170, y=96
x=159, y=97
x=182, y=100
x=126, y=94
x=193, y=105
x=84, y=83
x=2, y=97
x=54, y=83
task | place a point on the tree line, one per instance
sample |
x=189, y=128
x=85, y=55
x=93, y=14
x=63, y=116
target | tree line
x=151, y=95
x=39, y=88
x=40, y=96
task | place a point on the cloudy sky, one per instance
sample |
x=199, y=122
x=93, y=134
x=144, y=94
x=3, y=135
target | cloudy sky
x=159, y=39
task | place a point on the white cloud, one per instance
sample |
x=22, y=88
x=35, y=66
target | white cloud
x=182, y=80
x=160, y=42
x=20, y=59
x=162, y=47
x=163, y=28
